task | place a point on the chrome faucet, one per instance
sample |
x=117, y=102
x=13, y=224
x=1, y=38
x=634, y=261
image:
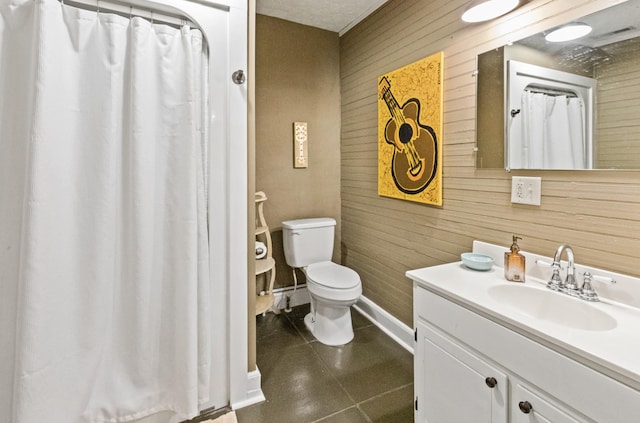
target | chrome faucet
x=569, y=285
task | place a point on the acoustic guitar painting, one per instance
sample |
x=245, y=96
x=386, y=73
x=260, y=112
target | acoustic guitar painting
x=415, y=154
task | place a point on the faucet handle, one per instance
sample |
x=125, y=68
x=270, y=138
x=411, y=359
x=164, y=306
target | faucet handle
x=598, y=278
x=556, y=283
x=587, y=292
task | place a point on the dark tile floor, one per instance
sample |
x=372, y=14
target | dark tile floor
x=368, y=380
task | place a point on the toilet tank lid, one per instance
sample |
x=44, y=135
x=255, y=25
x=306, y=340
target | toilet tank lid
x=315, y=222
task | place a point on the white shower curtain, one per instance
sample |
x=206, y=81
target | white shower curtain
x=552, y=132
x=103, y=236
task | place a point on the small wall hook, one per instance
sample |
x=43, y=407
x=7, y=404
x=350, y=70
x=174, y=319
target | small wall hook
x=238, y=77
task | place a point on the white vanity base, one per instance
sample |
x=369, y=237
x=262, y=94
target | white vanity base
x=478, y=360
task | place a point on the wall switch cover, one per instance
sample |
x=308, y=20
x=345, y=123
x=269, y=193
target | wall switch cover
x=526, y=190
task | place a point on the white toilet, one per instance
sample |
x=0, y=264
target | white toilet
x=308, y=244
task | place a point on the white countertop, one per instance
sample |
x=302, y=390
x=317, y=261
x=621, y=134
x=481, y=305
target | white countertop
x=614, y=352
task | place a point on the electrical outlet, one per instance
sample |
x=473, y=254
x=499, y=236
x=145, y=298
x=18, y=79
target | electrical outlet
x=526, y=190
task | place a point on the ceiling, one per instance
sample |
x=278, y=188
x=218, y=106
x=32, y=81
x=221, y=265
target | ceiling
x=610, y=25
x=333, y=15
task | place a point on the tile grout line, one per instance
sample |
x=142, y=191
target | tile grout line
x=362, y=413
x=385, y=393
x=355, y=403
x=327, y=367
x=291, y=320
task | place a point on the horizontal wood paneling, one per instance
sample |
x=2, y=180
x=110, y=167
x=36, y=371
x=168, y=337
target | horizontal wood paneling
x=618, y=108
x=597, y=213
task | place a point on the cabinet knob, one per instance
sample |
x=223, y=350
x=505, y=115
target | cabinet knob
x=491, y=382
x=525, y=407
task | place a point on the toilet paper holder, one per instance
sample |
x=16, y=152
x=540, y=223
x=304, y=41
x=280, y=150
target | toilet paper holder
x=261, y=250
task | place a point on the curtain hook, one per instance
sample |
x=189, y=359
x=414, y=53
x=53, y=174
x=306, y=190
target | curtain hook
x=98, y=7
x=152, y=17
x=131, y=12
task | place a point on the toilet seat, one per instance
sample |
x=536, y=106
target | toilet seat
x=331, y=281
x=332, y=275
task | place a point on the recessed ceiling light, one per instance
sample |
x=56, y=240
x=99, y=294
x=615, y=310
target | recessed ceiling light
x=568, y=33
x=484, y=10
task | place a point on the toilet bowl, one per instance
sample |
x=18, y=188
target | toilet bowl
x=333, y=288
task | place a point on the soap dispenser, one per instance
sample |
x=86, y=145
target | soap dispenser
x=514, y=262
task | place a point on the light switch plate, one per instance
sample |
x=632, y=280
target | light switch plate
x=526, y=190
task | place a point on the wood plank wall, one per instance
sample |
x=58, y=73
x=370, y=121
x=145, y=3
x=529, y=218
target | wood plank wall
x=618, y=108
x=597, y=212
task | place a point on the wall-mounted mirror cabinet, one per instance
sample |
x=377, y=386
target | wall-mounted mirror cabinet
x=564, y=105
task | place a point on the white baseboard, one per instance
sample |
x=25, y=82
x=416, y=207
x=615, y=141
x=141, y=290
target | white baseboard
x=390, y=325
x=297, y=297
x=393, y=327
x=254, y=391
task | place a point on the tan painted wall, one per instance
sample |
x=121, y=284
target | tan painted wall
x=597, y=213
x=297, y=79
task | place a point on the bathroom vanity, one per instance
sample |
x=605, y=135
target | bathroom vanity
x=489, y=350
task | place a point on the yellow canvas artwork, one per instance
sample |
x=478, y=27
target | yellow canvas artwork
x=410, y=132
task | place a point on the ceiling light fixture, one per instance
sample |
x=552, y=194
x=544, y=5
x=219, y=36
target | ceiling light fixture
x=484, y=10
x=568, y=32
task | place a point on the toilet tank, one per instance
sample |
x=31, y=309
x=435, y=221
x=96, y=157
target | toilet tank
x=308, y=241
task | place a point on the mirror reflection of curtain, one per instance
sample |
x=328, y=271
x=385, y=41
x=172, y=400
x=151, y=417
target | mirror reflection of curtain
x=553, y=131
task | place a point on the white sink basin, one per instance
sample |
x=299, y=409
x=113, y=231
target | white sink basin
x=553, y=307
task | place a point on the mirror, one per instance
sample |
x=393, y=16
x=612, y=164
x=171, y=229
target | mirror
x=596, y=78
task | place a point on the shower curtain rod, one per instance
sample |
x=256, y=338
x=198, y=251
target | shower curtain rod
x=549, y=91
x=128, y=10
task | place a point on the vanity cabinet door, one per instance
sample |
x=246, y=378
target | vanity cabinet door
x=454, y=385
x=528, y=407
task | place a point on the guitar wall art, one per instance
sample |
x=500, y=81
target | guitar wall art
x=410, y=132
